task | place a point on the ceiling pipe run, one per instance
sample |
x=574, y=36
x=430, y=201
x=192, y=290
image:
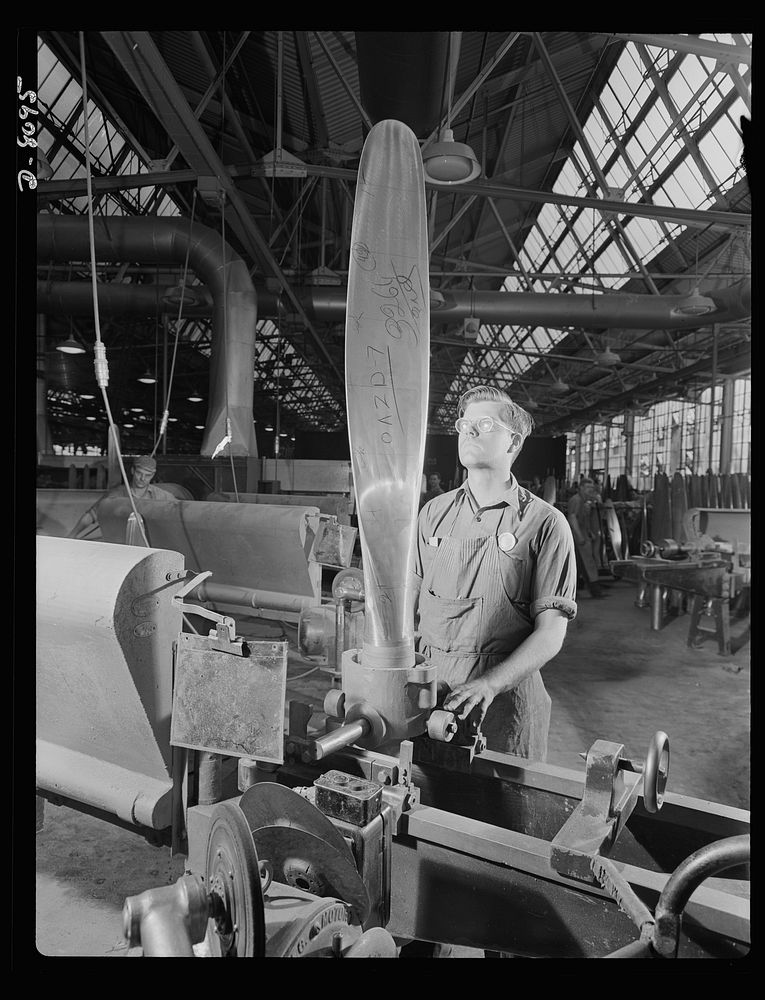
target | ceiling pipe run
x=149, y=239
x=628, y=311
x=327, y=304
x=402, y=75
x=75, y=298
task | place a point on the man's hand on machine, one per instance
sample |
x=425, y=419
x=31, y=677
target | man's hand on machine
x=466, y=696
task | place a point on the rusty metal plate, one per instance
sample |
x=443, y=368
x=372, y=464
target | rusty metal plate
x=228, y=703
x=334, y=544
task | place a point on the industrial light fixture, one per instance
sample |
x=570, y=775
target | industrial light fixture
x=147, y=378
x=70, y=346
x=87, y=395
x=128, y=426
x=136, y=409
x=199, y=427
x=608, y=357
x=194, y=397
x=559, y=387
x=694, y=304
x=90, y=418
x=269, y=427
x=531, y=404
x=449, y=162
x=172, y=420
x=180, y=293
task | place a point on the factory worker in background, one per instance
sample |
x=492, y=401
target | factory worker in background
x=141, y=486
x=579, y=510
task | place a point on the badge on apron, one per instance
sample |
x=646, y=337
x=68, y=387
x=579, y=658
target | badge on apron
x=434, y=540
x=507, y=541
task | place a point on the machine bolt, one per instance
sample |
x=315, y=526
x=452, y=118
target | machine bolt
x=383, y=778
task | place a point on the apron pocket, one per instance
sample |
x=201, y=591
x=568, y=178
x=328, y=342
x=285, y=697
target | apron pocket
x=513, y=572
x=451, y=624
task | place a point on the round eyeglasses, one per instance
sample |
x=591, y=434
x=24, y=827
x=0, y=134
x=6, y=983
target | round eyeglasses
x=484, y=425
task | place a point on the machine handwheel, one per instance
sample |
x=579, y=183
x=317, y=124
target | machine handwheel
x=237, y=927
x=656, y=772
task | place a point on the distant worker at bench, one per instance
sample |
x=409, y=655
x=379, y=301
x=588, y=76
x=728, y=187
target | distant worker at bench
x=141, y=486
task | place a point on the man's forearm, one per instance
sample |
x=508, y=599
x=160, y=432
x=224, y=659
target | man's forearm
x=532, y=654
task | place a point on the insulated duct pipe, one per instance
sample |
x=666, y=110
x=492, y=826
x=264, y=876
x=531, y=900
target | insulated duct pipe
x=402, y=76
x=73, y=298
x=143, y=239
x=327, y=304
x=628, y=311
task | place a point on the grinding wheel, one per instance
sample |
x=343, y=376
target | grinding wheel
x=237, y=928
x=268, y=803
x=307, y=862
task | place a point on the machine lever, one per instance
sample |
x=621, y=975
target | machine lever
x=225, y=624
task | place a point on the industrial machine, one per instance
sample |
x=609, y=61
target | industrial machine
x=709, y=573
x=384, y=818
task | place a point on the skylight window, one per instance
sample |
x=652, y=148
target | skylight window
x=686, y=118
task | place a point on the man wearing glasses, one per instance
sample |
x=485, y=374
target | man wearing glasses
x=496, y=572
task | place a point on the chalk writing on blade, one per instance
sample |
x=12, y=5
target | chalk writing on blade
x=363, y=256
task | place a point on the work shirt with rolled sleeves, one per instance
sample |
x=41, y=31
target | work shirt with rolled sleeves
x=485, y=573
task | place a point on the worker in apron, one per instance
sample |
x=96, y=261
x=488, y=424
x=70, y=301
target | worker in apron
x=496, y=571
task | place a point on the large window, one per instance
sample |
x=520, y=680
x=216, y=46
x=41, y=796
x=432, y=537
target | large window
x=675, y=435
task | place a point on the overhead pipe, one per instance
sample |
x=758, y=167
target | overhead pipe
x=66, y=238
x=327, y=304
x=73, y=298
x=628, y=311
x=402, y=76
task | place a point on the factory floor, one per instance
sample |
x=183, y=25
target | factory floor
x=615, y=679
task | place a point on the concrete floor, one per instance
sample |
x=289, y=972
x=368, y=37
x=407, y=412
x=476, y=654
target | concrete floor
x=615, y=679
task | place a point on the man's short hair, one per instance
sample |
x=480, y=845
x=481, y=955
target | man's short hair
x=511, y=413
x=145, y=462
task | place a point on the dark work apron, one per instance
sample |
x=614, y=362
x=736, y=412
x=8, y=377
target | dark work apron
x=474, y=611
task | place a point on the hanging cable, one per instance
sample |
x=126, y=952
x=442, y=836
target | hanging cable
x=100, y=362
x=227, y=440
x=166, y=413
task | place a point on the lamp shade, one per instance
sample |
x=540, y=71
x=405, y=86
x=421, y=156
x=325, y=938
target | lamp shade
x=70, y=346
x=449, y=162
x=694, y=305
x=147, y=378
x=194, y=397
x=608, y=357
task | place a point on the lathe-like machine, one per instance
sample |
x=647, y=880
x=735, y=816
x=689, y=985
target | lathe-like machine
x=384, y=818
